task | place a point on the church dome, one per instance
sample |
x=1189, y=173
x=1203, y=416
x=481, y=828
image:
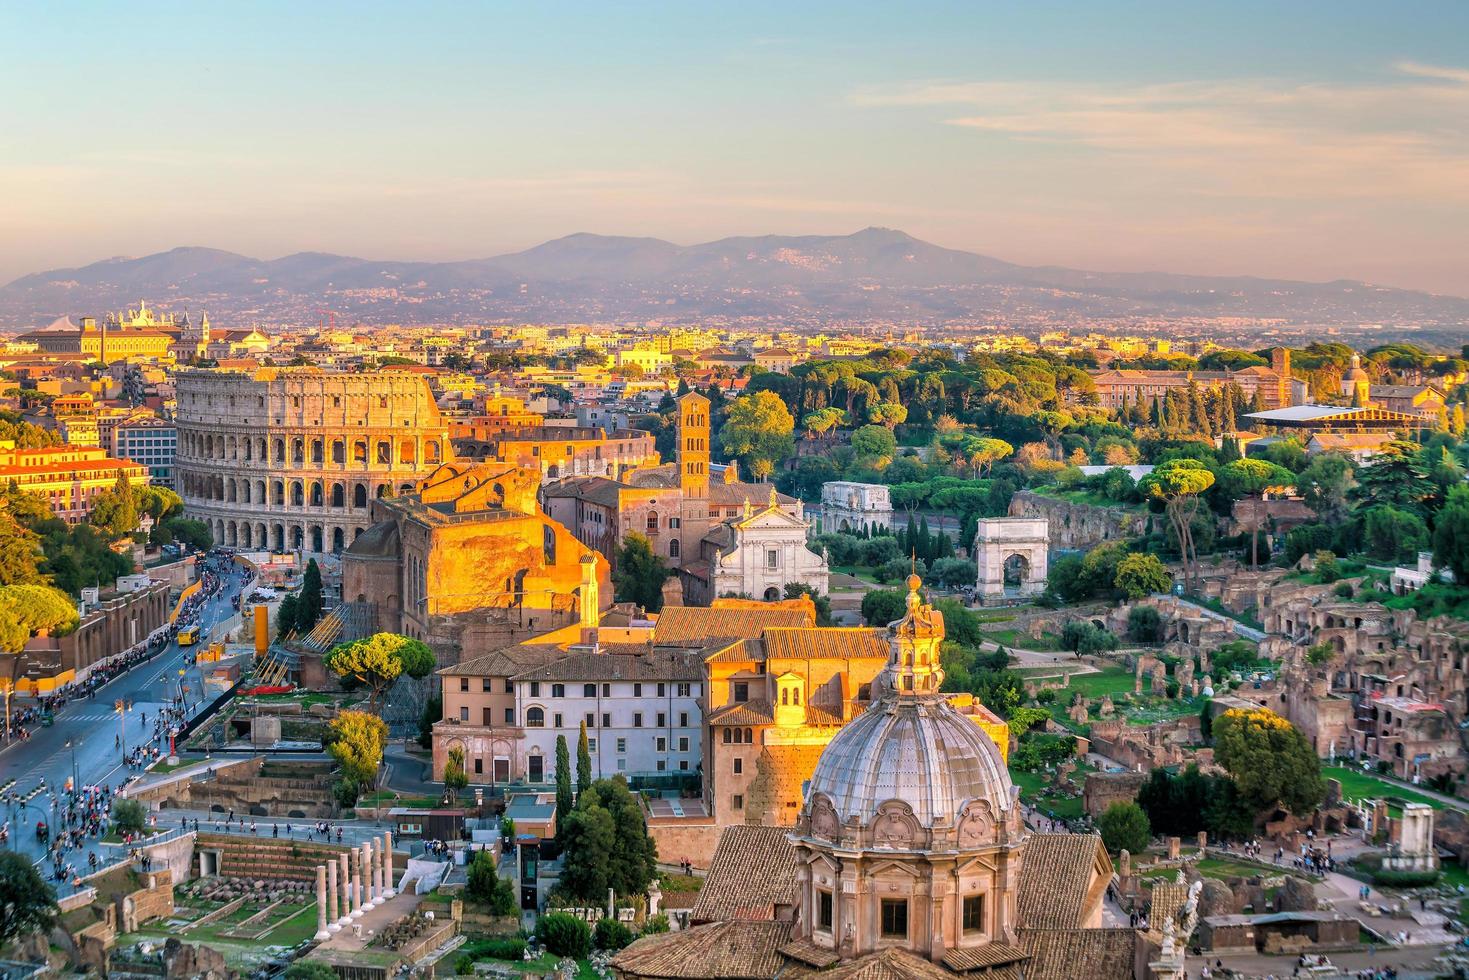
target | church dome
x=912, y=746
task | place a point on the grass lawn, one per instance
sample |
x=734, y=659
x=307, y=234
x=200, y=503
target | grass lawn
x=857, y=571
x=1109, y=680
x=1047, y=643
x=294, y=929
x=389, y=798
x=1356, y=784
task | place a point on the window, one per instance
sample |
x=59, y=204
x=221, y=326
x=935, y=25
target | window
x=770, y=557
x=739, y=766
x=592, y=745
x=589, y=690
x=683, y=690
x=675, y=523
x=535, y=718
x=485, y=685
x=535, y=689
x=974, y=913
x=727, y=737
x=464, y=683
x=661, y=744
x=464, y=714
x=606, y=690
x=683, y=744
x=509, y=686
x=742, y=691
x=489, y=717
x=673, y=548
x=479, y=765
x=683, y=719
x=660, y=690
x=662, y=720
x=662, y=765
x=652, y=522
x=637, y=719
x=606, y=719
x=823, y=911
x=737, y=802
x=684, y=765
x=637, y=690
x=556, y=719
x=591, y=719
x=895, y=918
x=509, y=716
x=621, y=745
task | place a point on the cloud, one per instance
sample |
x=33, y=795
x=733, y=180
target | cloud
x=1403, y=137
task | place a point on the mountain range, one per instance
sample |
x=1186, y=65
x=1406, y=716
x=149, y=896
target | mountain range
x=872, y=275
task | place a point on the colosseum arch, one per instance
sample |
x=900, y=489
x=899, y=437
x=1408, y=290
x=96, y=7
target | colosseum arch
x=318, y=453
x=339, y=452
x=298, y=537
x=339, y=495
x=359, y=495
x=407, y=452
x=298, y=451
x=298, y=494
x=338, y=540
x=316, y=498
x=316, y=538
x=431, y=452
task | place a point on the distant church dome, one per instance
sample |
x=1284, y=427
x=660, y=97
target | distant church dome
x=911, y=746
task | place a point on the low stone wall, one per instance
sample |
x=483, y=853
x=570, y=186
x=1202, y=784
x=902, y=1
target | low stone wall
x=1079, y=527
x=242, y=857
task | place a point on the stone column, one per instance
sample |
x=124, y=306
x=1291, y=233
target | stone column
x=334, y=915
x=388, y=890
x=356, y=862
x=376, y=873
x=321, y=932
x=370, y=878
x=345, y=906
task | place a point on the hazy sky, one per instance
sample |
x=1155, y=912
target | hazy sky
x=1311, y=140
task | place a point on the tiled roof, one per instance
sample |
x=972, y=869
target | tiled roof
x=1060, y=870
x=757, y=712
x=738, y=950
x=739, y=652
x=988, y=955
x=504, y=663
x=889, y=964
x=758, y=494
x=809, y=953
x=655, y=665
x=826, y=642
x=1064, y=954
x=697, y=625
x=753, y=871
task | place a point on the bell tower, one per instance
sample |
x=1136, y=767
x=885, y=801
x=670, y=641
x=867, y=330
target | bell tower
x=693, y=445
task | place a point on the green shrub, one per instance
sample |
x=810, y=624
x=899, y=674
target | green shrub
x=564, y=935
x=611, y=935
x=655, y=924
x=1384, y=878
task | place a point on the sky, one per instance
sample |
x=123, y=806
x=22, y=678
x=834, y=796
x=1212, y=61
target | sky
x=1311, y=140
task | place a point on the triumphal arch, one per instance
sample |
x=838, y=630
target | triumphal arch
x=1011, y=554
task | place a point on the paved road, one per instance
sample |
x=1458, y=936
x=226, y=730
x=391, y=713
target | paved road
x=91, y=726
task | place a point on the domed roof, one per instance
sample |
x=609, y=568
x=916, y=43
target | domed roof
x=1355, y=372
x=911, y=745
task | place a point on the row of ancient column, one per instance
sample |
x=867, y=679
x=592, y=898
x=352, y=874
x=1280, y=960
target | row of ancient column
x=366, y=875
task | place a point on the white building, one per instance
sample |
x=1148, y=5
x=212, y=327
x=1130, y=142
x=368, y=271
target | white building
x=150, y=441
x=758, y=554
x=849, y=506
x=642, y=711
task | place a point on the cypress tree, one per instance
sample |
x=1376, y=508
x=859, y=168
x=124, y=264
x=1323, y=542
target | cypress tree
x=583, y=761
x=308, y=608
x=924, y=546
x=564, y=799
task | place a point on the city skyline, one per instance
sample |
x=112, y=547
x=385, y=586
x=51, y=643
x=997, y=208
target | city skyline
x=1316, y=143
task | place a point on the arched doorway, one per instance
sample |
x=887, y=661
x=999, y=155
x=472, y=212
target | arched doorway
x=1017, y=571
x=772, y=594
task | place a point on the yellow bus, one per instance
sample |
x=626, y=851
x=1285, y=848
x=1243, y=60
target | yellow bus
x=191, y=635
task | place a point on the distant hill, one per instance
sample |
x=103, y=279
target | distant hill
x=874, y=274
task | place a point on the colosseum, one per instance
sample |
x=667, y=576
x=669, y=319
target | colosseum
x=291, y=458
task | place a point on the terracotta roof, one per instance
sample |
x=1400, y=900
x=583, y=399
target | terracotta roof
x=656, y=665
x=988, y=955
x=739, y=950
x=1060, y=871
x=745, y=713
x=758, y=494
x=504, y=663
x=697, y=625
x=825, y=642
x=809, y=953
x=753, y=871
x=1064, y=954
x=889, y=964
x=738, y=652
